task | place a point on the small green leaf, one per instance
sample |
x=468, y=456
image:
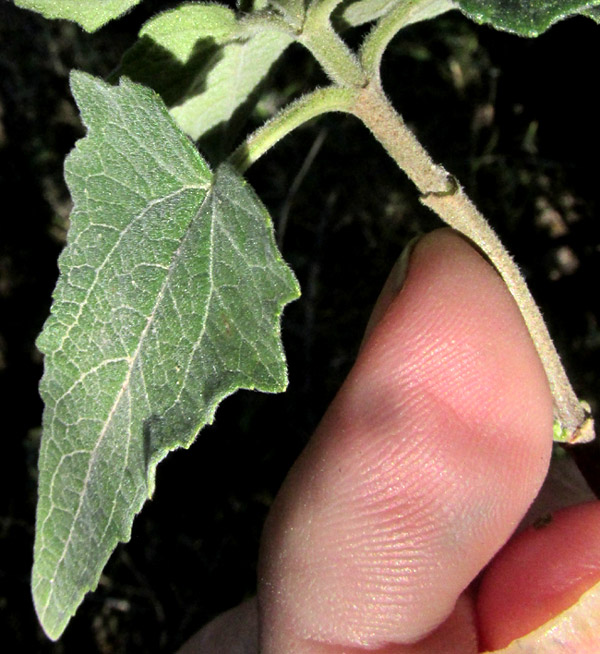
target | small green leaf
x=239, y=68
x=365, y=11
x=194, y=58
x=559, y=433
x=169, y=299
x=90, y=14
x=524, y=17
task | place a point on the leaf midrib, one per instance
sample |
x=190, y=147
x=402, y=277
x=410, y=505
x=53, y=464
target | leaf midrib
x=132, y=361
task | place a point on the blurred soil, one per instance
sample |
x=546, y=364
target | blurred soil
x=515, y=120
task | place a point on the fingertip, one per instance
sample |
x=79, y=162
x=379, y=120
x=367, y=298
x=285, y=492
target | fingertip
x=539, y=574
x=422, y=467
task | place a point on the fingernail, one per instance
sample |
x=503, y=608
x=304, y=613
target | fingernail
x=391, y=288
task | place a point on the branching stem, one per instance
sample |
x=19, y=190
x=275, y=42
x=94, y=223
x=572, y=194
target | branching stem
x=356, y=89
x=442, y=194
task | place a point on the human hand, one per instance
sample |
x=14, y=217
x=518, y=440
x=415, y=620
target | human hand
x=420, y=471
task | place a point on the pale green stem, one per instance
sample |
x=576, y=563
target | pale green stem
x=441, y=193
x=406, y=13
x=374, y=110
x=336, y=58
x=357, y=90
x=310, y=106
x=459, y=212
x=322, y=9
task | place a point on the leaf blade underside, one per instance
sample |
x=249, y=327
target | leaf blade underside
x=169, y=299
x=360, y=12
x=91, y=14
x=194, y=58
x=524, y=17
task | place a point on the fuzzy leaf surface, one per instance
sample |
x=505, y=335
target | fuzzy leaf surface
x=365, y=11
x=90, y=14
x=292, y=10
x=194, y=58
x=593, y=13
x=524, y=17
x=169, y=299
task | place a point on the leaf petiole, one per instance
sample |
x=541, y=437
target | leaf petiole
x=404, y=14
x=320, y=101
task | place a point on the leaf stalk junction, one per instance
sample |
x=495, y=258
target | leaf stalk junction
x=356, y=89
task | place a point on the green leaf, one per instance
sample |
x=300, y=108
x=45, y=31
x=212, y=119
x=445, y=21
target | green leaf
x=524, y=17
x=194, y=58
x=169, y=299
x=365, y=11
x=181, y=29
x=292, y=10
x=238, y=71
x=593, y=13
x=90, y=14
x=175, y=48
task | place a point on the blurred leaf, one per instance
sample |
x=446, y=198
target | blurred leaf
x=592, y=12
x=292, y=10
x=169, y=299
x=90, y=14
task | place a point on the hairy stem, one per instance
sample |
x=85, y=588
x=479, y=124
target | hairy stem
x=332, y=98
x=326, y=46
x=374, y=110
x=460, y=213
x=441, y=193
x=357, y=90
x=406, y=13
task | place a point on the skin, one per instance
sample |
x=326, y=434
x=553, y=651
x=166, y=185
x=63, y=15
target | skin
x=420, y=471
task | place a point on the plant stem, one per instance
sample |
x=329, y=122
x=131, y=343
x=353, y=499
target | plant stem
x=322, y=9
x=357, y=90
x=374, y=110
x=460, y=213
x=406, y=13
x=328, y=48
x=332, y=98
x=441, y=193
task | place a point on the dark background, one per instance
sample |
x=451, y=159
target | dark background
x=516, y=120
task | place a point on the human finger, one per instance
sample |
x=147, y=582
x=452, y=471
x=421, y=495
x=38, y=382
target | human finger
x=421, y=468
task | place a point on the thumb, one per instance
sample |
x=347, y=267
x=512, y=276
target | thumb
x=420, y=470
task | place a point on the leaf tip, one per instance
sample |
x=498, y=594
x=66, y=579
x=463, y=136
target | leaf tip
x=52, y=621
